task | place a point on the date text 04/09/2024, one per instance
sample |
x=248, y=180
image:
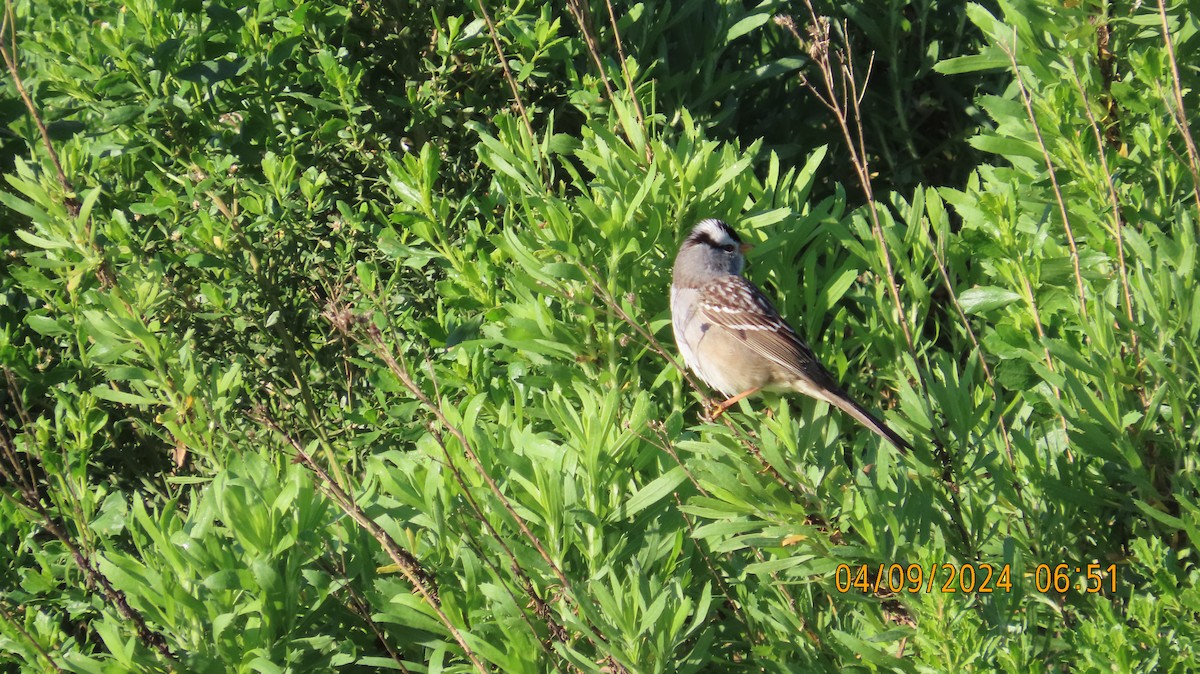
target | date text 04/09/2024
x=972, y=578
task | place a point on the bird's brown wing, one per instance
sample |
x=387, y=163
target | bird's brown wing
x=735, y=304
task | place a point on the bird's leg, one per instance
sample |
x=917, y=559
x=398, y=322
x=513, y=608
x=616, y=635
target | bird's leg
x=718, y=409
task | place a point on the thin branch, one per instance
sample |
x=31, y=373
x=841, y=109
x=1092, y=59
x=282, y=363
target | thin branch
x=664, y=444
x=29, y=496
x=1106, y=61
x=637, y=106
x=540, y=607
x=579, y=11
x=1177, y=112
x=841, y=96
x=420, y=579
x=29, y=637
x=410, y=566
x=654, y=344
x=1062, y=206
x=512, y=82
x=1118, y=221
x=987, y=371
x=8, y=51
x=104, y=273
x=344, y=323
x=358, y=605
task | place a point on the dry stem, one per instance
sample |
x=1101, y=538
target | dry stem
x=420, y=579
x=1118, y=221
x=1062, y=206
x=841, y=95
x=22, y=481
x=508, y=76
x=1177, y=112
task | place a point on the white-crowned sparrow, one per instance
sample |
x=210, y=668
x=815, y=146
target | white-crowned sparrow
x=731, y=336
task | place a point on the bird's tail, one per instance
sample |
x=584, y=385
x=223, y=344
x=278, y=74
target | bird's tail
x=847, y=405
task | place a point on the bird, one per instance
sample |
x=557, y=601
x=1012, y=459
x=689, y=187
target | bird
x=732, y=337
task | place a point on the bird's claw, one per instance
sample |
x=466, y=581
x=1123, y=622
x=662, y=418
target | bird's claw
x=714, y=410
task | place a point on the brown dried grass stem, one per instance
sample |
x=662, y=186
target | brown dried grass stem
x=26, y=493
x=8, y=42
x=1177, y=110
x=1062, y=205
x=841, y=94
x=420, y=579
x=508, y=76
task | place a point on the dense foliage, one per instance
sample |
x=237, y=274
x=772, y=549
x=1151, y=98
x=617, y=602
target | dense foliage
x=336, y=339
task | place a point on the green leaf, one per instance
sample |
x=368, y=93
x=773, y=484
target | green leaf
x=23, y=207
x=985, y=298
x=415, y=258
x=988, y=59
x=745, y=25
x=39, y=242
x=1006, y=147
x=118, y=396
x=652, y=493
x=123, y=114
x=44, y=325
x=1160, y=516
x=211, y=72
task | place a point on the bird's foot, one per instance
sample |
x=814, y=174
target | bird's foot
x=713, y=410
x=716, y=409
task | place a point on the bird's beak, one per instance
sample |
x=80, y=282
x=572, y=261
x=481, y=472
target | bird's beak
x=745, y=248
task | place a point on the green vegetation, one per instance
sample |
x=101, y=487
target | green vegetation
x=334, y=341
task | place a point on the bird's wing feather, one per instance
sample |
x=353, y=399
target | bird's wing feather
x=737, y=305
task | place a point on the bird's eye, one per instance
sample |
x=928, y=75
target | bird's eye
x=728, y=248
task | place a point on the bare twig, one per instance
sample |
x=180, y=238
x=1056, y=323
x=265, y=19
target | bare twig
x=28, y=495
x=512, y=82
x=1062, y=205
x=637, y=106
x=582, y=16
x=8, y=51
x=540, y=607
x=1118, y=221
x=359, y=606
x=344, y=323
x=840, y=93
x=654, y=344
x=664, y=444
x=104, y=273
x=1177, y=111
x=420, y=579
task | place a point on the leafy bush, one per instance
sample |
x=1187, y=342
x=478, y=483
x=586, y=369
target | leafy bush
x=341, y=341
